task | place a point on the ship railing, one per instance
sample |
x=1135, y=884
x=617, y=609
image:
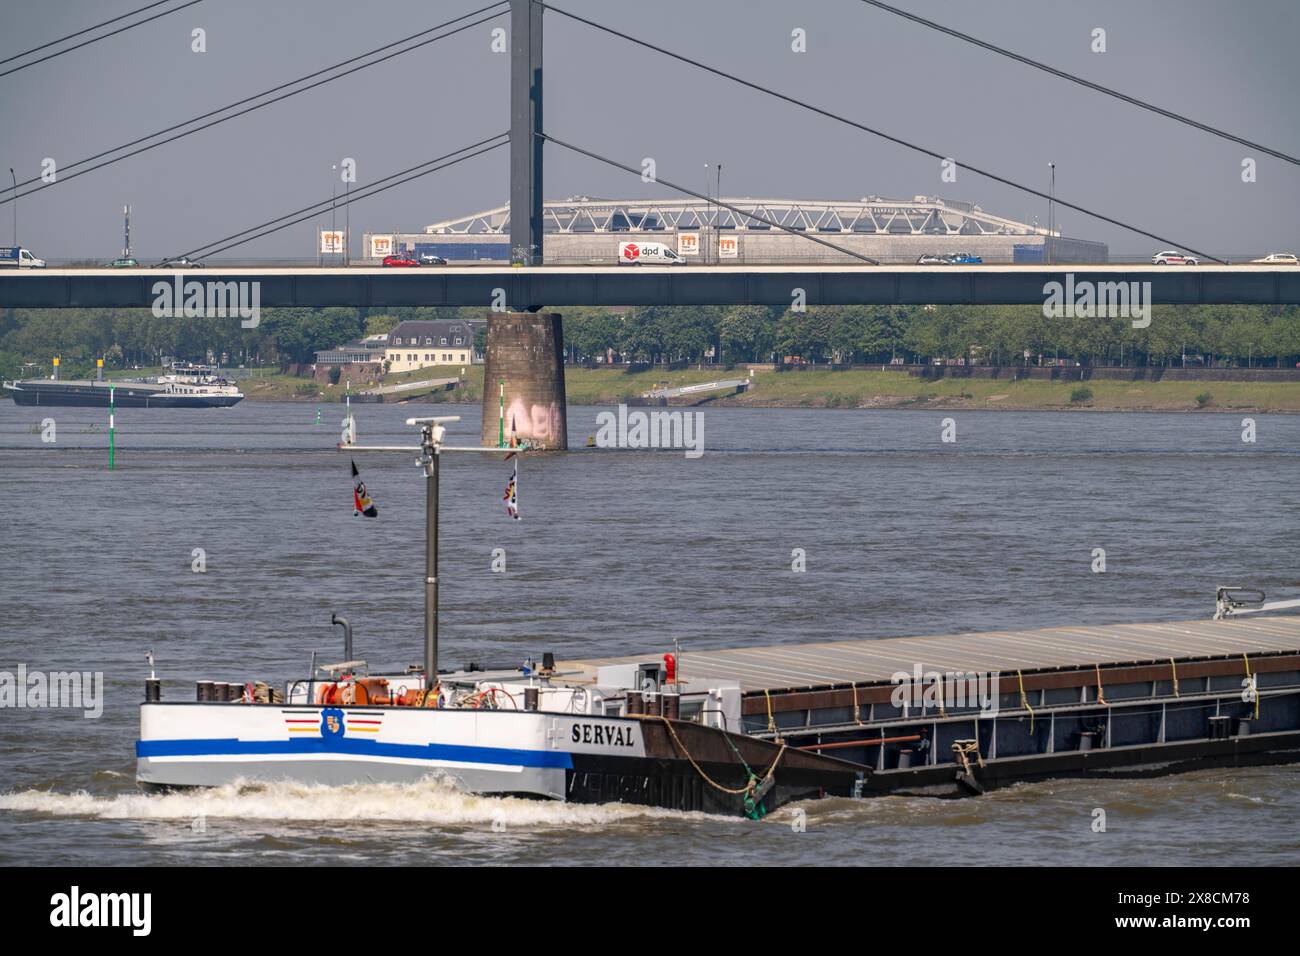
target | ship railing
x=965, y=715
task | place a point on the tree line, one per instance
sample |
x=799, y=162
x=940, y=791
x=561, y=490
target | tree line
x=1002, y=335
x=999, y=335
x=127, y=338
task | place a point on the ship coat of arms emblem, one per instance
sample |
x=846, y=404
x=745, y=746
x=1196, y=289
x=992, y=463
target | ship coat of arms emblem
x=331, y=723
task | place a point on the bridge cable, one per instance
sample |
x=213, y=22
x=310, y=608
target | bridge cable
x=717, y=202
x=324, y=204
x=70, y=36
x=875, y=132
x=365, y=193
x=1095, y=87
x=103, y=36
x=62, y=176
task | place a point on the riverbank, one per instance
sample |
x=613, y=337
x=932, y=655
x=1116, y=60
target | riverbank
x=858, y=388
x=862, y=389
x=875, y=389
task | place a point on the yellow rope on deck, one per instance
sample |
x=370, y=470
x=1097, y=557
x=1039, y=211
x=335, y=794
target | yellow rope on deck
x=1174, y=667
x=1254, y=688
x=963, y=749
x=1101, y=694
x=771, y=721
x=1024, y=701
x=857, y=714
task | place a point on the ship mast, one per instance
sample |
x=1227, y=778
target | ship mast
x=430, y=449
x=430, y=461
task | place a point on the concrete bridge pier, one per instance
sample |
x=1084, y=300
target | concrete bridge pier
x=525, y=364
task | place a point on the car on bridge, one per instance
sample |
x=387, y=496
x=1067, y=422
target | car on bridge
x=180, y=262
x=429, y=259
x=123, y=262
x=930, y=259
x=964, y=259
x=1277, y=259
x=1172, y=257
x=401, y=259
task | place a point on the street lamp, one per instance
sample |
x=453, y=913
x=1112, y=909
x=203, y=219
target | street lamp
x=15, y=179
x=1051, y=211
x=704, y=232
x=717, y=213
x=334, y=195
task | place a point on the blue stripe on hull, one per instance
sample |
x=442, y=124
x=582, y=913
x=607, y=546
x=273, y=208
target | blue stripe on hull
x=229, y=746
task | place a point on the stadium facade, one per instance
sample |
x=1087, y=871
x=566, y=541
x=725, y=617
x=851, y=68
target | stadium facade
x=583, y=230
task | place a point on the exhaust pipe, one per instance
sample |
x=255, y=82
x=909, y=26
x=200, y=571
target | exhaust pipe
x=347, y=635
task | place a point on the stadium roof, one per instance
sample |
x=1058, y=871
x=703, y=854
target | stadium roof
x=921, y=215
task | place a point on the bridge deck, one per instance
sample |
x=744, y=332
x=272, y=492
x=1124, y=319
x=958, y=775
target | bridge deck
x=800, y=666
x=822, y=284
x=216, y=269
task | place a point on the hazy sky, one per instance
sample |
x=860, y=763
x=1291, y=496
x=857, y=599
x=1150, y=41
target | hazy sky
x=1231, y=65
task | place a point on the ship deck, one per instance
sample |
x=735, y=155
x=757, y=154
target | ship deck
x=792, y=667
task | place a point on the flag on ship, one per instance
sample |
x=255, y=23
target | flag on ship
x=360, y=498
x=511, y=496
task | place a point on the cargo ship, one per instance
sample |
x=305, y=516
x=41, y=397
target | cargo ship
x=746, y=730
x=188, y=386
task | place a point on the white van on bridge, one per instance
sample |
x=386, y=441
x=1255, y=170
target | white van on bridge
x=19, y=257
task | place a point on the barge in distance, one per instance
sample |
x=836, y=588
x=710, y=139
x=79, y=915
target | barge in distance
x=747, y=730
x=190, y=386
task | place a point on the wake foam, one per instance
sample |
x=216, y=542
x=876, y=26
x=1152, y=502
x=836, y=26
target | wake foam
x=429, y=801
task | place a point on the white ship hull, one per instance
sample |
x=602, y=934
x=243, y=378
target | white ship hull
x=483, y=751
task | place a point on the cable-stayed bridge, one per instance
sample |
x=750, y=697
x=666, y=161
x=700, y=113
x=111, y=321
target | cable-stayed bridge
x=524, y=347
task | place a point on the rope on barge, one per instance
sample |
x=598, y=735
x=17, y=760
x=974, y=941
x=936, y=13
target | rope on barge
x=755, y=787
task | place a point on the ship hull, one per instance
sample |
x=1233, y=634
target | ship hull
x=53, y=394
x=575, y=758
x=645, y=760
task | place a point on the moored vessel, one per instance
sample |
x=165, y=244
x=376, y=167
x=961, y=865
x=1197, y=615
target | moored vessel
x=184, y=386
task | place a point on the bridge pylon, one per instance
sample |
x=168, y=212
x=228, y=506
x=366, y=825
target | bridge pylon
x=525, y=125
x=523, y=380
x=523, y=384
